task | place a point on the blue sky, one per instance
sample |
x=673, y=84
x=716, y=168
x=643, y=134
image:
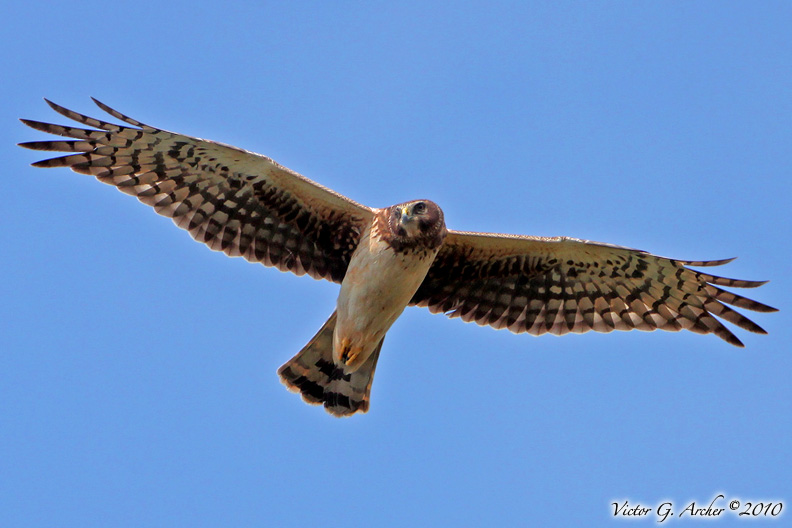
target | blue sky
x=138, y=383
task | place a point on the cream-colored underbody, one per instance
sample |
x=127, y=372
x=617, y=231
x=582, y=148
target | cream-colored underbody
x=376, y=289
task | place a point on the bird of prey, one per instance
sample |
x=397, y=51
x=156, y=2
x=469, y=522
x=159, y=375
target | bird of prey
x=247, y=205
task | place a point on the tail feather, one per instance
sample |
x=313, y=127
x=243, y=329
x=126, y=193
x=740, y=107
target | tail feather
x=314, y=374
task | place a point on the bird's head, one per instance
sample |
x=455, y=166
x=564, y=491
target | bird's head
x=417, y=222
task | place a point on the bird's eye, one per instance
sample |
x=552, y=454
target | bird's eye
x=419, y=208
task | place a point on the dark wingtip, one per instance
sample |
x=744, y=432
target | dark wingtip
x=759, y=307
x=28, y=122
x=101, y=105
x=52, y=105
x=708, y=263
x=758, y=283
x=119, y=115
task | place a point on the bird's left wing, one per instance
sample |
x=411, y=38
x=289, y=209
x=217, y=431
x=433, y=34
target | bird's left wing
x=234, y=201
x=560, y=285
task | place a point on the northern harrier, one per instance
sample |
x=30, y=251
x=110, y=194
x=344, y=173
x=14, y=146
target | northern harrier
x=245, y=204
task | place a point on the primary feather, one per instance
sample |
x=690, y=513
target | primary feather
x=245, y=204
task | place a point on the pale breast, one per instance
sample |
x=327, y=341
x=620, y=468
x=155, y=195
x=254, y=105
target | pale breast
x=378, y=285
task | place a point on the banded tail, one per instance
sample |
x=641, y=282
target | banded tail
x=314, y=374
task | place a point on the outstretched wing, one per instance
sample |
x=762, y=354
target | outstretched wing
x=234, y=201
x=561, y=285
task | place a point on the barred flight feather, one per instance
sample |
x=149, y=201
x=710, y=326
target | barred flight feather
x=246, y=205
x=562, y=285
x=320, y=381
x=232, y=200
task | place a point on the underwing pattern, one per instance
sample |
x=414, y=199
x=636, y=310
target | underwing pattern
x=232, y=200
x=562, y=285
x=246, y=205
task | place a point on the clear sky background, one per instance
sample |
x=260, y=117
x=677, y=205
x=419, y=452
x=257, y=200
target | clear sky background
x=138, y=380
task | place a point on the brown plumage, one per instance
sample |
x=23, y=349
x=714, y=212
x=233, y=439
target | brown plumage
x=245, y=204
x=314, y=374
x=562, y=285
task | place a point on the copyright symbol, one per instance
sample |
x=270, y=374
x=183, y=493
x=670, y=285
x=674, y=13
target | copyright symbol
x=733, y=505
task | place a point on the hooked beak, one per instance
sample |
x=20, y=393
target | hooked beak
x=408, y=222
x=405, y=217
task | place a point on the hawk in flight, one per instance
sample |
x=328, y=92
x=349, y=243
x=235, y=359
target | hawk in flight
x=246, y=205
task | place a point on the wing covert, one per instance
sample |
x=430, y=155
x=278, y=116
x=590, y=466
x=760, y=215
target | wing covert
x=562, y=285
x=232, y=200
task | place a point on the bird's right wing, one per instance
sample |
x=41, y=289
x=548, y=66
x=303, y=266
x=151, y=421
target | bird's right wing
x=234, y=201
